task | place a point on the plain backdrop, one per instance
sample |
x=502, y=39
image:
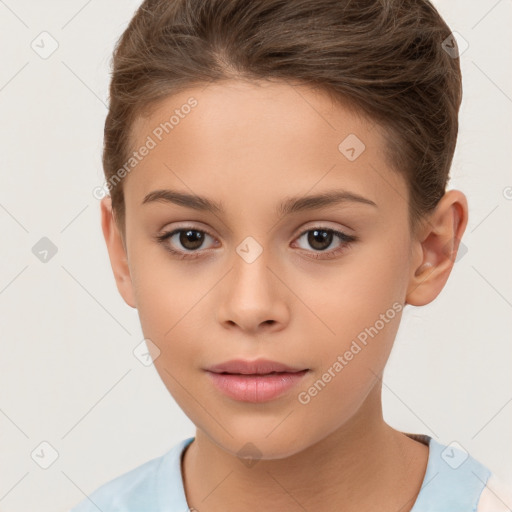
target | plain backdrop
x=68, y=376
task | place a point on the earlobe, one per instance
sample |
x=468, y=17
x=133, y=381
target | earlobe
x=117, y=253
x=438, y=246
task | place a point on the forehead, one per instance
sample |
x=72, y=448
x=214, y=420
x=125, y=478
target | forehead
x=262, y=140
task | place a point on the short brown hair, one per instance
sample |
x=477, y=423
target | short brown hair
x=386, y=58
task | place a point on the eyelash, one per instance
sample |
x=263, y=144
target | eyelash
x=346, y=240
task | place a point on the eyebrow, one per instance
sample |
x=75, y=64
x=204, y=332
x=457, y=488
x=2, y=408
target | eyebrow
x=288, y=206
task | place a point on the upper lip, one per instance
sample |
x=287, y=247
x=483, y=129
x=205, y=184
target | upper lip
x=256, y=367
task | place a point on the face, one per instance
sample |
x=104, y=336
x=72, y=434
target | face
x=318, y=286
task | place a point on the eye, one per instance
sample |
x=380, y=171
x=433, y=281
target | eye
x=189, y=238
x=320, y=238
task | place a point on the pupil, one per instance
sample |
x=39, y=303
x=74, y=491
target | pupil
x=318, y=241
x=191, y=239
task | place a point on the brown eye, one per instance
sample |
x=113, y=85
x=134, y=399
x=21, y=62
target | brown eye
x=185, y=241
x=320, y=239
x=191, y=239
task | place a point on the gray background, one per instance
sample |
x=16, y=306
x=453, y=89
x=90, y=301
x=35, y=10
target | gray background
x=68, y=376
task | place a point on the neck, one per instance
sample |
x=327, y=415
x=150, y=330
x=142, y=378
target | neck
x=362, y=465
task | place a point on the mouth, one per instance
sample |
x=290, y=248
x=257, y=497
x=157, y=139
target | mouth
x=255, y=381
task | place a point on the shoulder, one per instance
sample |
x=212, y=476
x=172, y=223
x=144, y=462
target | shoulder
x=496, y=496
x=139, y=488
x=457, y=482
x=116, y=494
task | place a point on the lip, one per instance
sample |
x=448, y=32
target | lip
x=256, y=381
x=256, y=367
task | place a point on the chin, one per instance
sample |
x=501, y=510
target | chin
x=253, y=443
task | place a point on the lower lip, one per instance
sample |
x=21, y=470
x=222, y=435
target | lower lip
x=255, y=388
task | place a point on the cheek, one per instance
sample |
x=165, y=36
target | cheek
x=360, y=302
x=165, y=290
x=171, y=300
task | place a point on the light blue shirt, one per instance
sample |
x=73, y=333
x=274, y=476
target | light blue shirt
x=453, y=482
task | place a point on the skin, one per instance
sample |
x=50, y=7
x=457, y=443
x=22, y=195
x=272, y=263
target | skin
x=249, y=146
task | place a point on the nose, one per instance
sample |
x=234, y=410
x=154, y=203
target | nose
x=253, y=297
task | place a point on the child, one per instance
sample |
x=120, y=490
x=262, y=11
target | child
x=276, y=173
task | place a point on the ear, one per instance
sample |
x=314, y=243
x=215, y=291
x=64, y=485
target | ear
x=117, y=252
x=436, y=250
